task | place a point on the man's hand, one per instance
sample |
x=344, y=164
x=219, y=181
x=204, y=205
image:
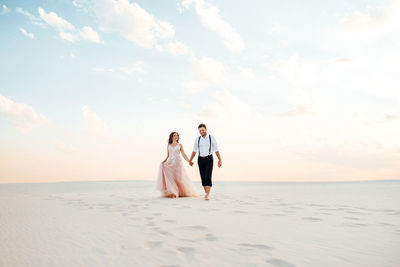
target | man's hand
x=190, y=163
x=219, y=164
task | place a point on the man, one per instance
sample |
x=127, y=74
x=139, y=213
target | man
x=206, y=145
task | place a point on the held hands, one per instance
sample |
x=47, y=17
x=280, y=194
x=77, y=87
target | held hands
x=219, y=163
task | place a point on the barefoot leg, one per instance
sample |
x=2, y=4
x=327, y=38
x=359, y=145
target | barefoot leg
x=207, y=189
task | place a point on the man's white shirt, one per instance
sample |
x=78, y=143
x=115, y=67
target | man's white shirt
x=205, y=145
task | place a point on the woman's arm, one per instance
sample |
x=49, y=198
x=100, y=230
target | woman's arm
x=167, y=155
x=184, y=154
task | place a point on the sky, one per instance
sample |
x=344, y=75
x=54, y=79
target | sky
x=291, y=90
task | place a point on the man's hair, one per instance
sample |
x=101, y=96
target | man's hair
x=202, y=125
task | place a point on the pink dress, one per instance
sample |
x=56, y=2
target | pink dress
x=172, y=176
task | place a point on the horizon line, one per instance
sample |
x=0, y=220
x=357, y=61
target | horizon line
x=251, y=181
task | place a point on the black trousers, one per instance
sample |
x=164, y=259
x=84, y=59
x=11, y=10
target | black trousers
x=206, y=167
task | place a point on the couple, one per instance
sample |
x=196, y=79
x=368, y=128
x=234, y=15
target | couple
x=173, y=180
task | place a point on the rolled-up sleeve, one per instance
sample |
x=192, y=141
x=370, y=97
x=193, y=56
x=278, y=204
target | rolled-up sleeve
x=214, y=144
x=195, y=145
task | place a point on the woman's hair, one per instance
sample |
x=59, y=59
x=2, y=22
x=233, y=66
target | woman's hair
x=170, y=137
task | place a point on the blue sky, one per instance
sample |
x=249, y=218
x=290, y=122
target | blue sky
x=310, y=84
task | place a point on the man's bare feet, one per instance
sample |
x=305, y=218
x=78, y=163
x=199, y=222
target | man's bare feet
x=207, y=197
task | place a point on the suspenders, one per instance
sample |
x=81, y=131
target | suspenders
x=198, y=145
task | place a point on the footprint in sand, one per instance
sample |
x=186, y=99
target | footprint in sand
x=281, y=204
x=170, y=221
x=342, y=208
x=316, y=205
x=150, y=224
x=351, y=218
x=258, y=246
x=328, y=209
x=295, y=208
x=289, y=211
x=160, y=231
x=312, y=219
x=194, y=227
x=210, y=237
x=355, y=224
x=240, y=211
x=323, y=213
x=357, y=212
x=280, y=263
x=394, y=213
x=210, y=209
x=152, y=244
x=274, y=214
x=385, y=224
x=187, y=251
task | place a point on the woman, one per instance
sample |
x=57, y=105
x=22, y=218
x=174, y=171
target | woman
x=173, y=180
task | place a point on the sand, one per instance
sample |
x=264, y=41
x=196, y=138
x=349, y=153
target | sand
x=126, y=223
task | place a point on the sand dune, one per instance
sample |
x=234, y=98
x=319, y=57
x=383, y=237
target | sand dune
x=126, y=223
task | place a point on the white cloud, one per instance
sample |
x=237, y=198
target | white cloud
x=375, y=27
x=88, y=33
x=55, y=21
x=5, y=9
x=94, y=124
x=225, y=105
x=206, y=72
x=67, y=31
x=27, y=34
x=76, y=4
x=302, y=105
x=26, y=13
x=23, y=116
x=212, y=20
x=179, y=8
x=68, y=36
x=296, y=70
x=132, y=22
x=136, y=68
x=164, y=30
x=34, y=20
x=348, y=91
x=177, y=48
x=373, y=19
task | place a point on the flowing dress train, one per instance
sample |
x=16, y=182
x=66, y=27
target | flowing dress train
x=172, y=177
